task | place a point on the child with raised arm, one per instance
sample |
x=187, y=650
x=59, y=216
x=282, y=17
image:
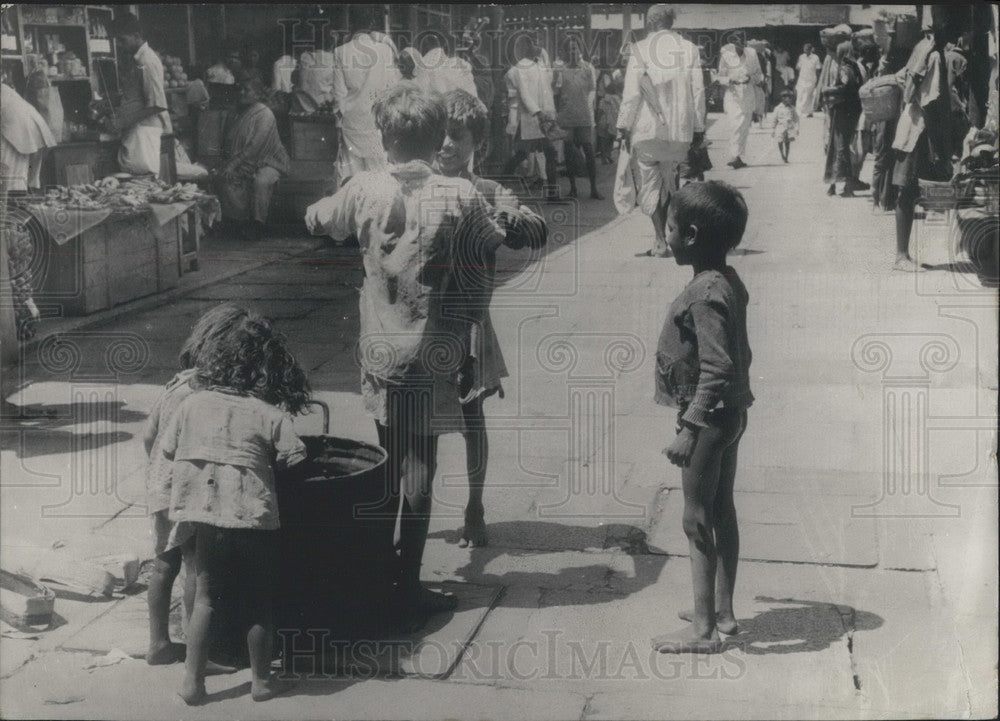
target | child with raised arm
x=225, y=442
x=702, y=369
x=414, y=226
x=174, y=542
x=481, y=373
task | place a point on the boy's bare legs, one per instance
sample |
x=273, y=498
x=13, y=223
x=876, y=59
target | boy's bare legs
x=727, y=537
x=476, y=457
x=200, y=623
x=905, y=209
x=419, y=466
x=162, y=650
x=706, y=491
x=700, y=480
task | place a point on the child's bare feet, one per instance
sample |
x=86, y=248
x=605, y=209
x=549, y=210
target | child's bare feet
x=266, y=689
x=725, y=624
x=165, y=653
x=687, y=640
x=193, y=692
x=474, y=532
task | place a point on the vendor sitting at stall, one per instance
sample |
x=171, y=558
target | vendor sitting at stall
x=140, y=151
x=253, y=161
x=23, y=136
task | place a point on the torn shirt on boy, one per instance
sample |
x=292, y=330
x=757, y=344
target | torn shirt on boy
x=414, y=227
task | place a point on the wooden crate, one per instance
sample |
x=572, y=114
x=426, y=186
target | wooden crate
x=124, y=258
x=313, y=139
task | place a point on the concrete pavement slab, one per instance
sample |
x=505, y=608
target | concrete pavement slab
x=63, y=686
x=431, y=652
x=784, y=527
x=656, y=707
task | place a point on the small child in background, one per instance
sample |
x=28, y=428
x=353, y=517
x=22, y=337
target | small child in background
x=225, y=441
x=702, y=369
x=607, y=117
x=415, y=227
x=472, y=286
x=786, y=123
x=174, y=542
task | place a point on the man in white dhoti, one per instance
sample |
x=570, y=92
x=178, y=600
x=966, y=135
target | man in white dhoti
x=808, y=68
x=662, y=113
x=740, y=73
x=363, y=67
x=140, y=150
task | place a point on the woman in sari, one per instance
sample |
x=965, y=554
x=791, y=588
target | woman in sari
x=254, y=161
x=844, y=109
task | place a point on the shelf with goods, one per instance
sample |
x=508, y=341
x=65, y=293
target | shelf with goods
x=71, y=38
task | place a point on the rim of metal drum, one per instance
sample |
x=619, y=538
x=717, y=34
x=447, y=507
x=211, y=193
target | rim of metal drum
x=383, y=457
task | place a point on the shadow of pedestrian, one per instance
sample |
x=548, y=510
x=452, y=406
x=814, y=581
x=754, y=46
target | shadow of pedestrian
x=798, y=626
x=48, y=435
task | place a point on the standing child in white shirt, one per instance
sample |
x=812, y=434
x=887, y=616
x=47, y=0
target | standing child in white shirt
x=786, y=123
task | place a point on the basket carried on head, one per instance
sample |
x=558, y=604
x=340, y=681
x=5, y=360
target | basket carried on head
x=880, y=98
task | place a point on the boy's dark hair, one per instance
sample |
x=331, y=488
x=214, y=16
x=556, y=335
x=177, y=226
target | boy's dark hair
x=467, y=111
x=717, y=209
x=412, y=118
x=787, y=93
x=252, y=359
x=126, y=24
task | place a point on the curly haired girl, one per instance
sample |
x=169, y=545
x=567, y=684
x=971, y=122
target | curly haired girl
x=225, y=441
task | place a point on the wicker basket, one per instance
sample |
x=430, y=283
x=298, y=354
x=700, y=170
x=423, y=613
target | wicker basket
x=880, y=98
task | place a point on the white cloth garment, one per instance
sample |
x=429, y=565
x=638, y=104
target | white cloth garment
x=362, y=68
x=282, y=74
x=440, y=73
x=315, y=78
x=805, y=88
x=529, y=90
x=673, y=65
x=140, y=150
x=740, y=75
x=23, y=135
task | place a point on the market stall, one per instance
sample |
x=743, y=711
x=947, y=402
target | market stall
x=111, y=242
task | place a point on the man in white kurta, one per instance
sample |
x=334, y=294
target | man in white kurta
x=530, y=102
x=740, y=73
x=140, y=149
x=659, y=137
x=808, y=68
x=363, y=67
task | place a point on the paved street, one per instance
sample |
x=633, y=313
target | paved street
x=866, y=488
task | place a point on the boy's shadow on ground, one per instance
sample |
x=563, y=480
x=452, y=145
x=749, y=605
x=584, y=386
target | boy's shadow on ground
x=799, y=627
x=593, y=576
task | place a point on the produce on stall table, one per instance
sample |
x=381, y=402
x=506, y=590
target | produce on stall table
x=112, y=194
